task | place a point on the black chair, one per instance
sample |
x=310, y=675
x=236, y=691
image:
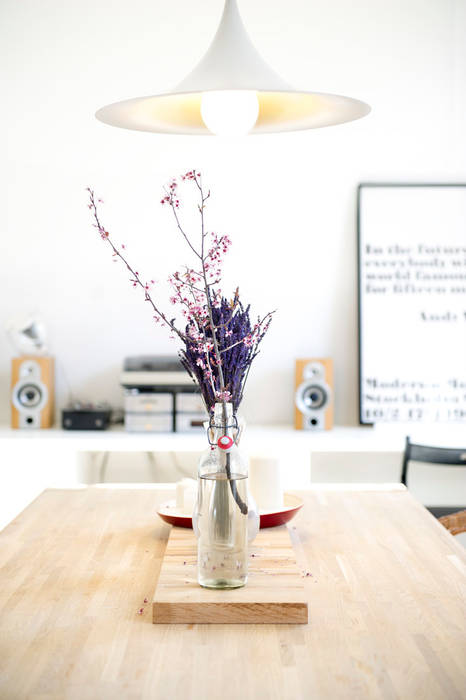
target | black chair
x=433, y=455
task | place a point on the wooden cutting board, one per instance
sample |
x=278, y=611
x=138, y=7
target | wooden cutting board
x=274, y=593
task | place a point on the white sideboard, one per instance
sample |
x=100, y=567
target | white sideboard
x=33, y=460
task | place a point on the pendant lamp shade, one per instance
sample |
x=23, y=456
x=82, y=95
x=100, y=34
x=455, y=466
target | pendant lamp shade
x=232, y=75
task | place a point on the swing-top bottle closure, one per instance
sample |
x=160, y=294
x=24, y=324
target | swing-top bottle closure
x=225, y=443
x=217, y=423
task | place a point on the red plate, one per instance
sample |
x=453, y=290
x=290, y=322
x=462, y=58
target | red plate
x=172, y=515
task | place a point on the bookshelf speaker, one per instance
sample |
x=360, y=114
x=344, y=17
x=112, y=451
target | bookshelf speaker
x=314, y=394
x=32, y=392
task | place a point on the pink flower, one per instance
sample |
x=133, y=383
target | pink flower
x=224, y=396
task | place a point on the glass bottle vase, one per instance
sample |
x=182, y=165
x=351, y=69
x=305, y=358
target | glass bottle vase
x=225, y=517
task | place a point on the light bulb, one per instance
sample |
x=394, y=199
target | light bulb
x=229, y=112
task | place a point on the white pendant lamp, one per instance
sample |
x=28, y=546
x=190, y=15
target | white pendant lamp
x=232, y=91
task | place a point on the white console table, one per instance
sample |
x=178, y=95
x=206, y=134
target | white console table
x=36, y=459
x=380, y=438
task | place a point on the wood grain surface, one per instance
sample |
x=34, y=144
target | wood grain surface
x=275, y=591
x=386, y=599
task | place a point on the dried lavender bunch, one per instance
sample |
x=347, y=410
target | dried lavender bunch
x=238, y=346
x=218, y=338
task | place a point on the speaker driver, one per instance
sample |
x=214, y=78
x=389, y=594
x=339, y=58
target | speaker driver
x=314, y=397
x=314, y=371
x=29, y=396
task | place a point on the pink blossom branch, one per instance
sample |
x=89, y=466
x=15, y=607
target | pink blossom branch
x=136, y=281
x=174, y=204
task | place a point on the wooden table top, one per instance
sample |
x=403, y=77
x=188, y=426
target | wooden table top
x=387, y=606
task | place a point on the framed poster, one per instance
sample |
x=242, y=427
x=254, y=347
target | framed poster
x=412, y=303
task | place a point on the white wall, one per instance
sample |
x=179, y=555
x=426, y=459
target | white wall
x=287, y=200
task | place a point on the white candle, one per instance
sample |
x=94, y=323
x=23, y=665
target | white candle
x=186, y=492
x=265, y=483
